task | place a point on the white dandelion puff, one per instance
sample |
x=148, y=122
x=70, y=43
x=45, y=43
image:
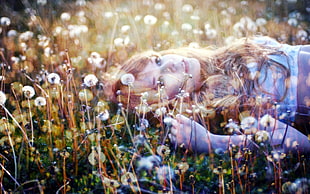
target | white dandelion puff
x=53, y=78
x=127, y=79
x=267, y=121
x=103, y=116
x=187, y=8
x=186, y=27
x=96, y=60
x=5, y=21
x=150, y=20
x=90, y=80
x=28, y=91
x=2, y=98
x=65, y=16
x=261, y=136
x=40, y=101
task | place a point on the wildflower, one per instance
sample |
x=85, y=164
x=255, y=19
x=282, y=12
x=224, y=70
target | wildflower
x=147, y=163
x=103, y=116
x=150, y=20
x=127, y=79
x=163, y=150
x=28, y=91
x=5, y=21
x=53, y=78
x=164, y=173
x=267, y=121
x=261, y=136
x=2, y=98
x=181, y=168
x=187, y=8
x=128, y=178
x=65, y=16
x=90, y=80
x=40, y=101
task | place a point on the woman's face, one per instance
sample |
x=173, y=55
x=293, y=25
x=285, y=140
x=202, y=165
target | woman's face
x=175, y=72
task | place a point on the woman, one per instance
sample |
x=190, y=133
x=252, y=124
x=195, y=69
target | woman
x=257, y=76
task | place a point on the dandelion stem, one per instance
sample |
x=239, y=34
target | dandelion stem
x=22, y=130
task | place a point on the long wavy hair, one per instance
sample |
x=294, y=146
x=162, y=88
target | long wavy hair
x=225, y=74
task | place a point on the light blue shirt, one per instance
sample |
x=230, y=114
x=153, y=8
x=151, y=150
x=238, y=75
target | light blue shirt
x=274, y=82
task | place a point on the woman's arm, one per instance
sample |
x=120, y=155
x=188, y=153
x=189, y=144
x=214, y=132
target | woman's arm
x=191, y=135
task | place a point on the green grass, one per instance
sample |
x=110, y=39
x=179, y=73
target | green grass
x=78, y=142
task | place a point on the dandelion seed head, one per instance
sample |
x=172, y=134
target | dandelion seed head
x=211, y=33
x=159, y=6
x=150, y=20
x=186, y=27
x=90, y=80
x=127, y=79
x=41, y=2
x=40, y=101
x=96, y=60
x=163, y=151
x=292, y=22
x=182, y=167
x=125, y=29
x=28, y=91
x=260, y=22
x=149, y=162
x=2, y=98
x=128, y=178
x=53, y=78
x=261, y=136
x=12, y=33
x=5, y=21
x=103, y=116
x=187, y=8
x=267, y=121
x=248, y=123
x=65, y=16
x=25, y=36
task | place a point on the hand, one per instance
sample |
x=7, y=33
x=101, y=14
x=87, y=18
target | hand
x=189, y=134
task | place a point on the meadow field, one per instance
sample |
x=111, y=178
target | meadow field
x=59, y=133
